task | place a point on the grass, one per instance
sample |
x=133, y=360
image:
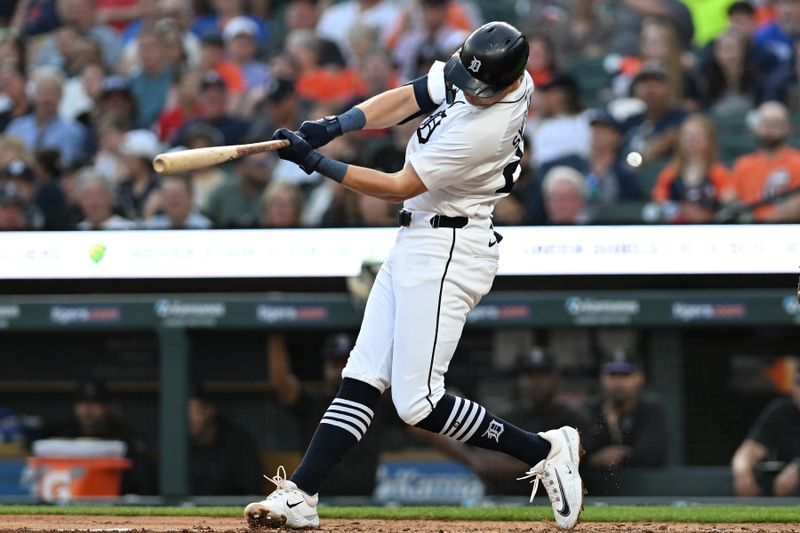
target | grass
x=617, y=513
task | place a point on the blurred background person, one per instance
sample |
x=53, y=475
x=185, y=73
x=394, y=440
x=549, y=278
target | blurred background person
x=730, y=78
x=771, y=170
x=14, y=102
x=772, y=438
x=608, y=179
x=213, y=105
x=95, y=416
x=178, y=211
x=224, y=458
x=241, y=47
x=96, y=199
x=12, y=210
x=694, y=182
x=628, y=426
x=151, y=82
x=564, y=193
x=139, y=194
x=282, y=205
x=309, y=404
x=236, y=203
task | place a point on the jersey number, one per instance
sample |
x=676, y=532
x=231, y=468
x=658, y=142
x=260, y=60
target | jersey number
x=511, y=173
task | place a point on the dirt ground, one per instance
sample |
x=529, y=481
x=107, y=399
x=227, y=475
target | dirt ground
x=157, y=524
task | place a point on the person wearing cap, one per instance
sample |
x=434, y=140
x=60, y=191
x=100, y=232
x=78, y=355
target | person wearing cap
x=774, y=437
x=628, y=427
x=139, y=194
x=236, y=203
x=241, y=47
x=304, y=15
x=13, y=81
x=43, y=128
x=94, y=416
x=652, y=134
x=355, y=475
x=224, y=11
x=774, y=41
x=224, y=458
x=96, y=198
x=151, y=84
x=21, y=183
x=213, y=59
x=607, y=179
x=560, y=129
x=213, y=105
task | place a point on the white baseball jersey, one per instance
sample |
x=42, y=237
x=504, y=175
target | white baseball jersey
x=468, y=157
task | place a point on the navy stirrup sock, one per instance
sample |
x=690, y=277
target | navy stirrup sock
x=469, y=422
x=342, y=426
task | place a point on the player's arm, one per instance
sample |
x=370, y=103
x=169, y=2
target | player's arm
x=394, y=187
x=381, y=111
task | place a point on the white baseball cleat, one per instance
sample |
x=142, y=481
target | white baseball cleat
x=558, y=472
x=287, y=506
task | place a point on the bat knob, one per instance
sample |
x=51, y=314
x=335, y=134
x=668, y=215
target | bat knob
x=159, y=165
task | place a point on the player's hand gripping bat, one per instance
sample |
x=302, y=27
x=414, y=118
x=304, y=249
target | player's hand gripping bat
x=185, y=160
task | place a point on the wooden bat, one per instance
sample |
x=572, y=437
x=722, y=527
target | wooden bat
x=185, y=160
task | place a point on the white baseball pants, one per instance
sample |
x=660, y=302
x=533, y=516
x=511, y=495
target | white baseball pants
x=417, y=309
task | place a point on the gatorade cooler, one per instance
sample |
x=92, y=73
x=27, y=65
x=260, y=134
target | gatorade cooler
x=65, y=470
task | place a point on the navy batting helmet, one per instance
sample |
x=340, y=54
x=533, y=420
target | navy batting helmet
x=491, y=58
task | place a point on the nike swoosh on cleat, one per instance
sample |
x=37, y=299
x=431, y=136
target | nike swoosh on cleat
x=290, y=505
x=564, y=511
x=569, y=470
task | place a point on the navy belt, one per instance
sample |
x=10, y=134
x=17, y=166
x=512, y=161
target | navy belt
x=437, y=221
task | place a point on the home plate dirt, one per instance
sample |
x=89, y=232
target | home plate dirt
x=189, y=524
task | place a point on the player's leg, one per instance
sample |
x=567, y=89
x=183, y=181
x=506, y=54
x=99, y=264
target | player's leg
x=366, y=376
x=431, y=312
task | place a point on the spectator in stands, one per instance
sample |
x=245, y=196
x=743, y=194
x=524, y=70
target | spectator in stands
x=97, y=203
x=629, y=427
x=171, y=22
x=94, y=417
x=628, y=16
x=22, y=181
x=178, y=206
x=536, y=406
x=774, y=41
x=321, y=83
x=730, y=79
x=182, y=103
x=224, y=457
x=338, y=19
x=13, y=81
x=151, y=84
x=213, y=59
x=237, y=203
x=542, y=62
x=43, y=128
x=694, y=180
x=578, y=28
x=560, y=128
x=82, y=15
x=224, y=11
x=205, y=180
x=309, y=404
x=139, y=194
x=742, y=18
x=564, y=192
x=652, y=134
x=148, y=15
x=770, y=171
x=774, y=438
x=213, y=106
x=12, y=210
x=783, y=83
x=608, y=179
x=432, y=32
x=281, y=205
x=109, y=160
x=35, y=17
x=304, y=15
x=241, y=47
x=117, y=103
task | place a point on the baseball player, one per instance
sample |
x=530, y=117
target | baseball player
x=461, y=160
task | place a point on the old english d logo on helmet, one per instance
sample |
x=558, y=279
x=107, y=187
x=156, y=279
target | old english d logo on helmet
x=491, y=59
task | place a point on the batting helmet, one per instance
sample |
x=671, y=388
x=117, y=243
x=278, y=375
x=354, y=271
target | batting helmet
x=491, y=58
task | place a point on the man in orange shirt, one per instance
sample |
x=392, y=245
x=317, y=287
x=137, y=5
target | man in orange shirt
x=772, y=169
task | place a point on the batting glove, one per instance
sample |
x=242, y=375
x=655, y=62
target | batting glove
x=299, y=151
x=321, y=131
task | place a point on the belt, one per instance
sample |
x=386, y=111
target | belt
x=437, y=221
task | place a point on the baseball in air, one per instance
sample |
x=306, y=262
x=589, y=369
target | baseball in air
x=634, y=159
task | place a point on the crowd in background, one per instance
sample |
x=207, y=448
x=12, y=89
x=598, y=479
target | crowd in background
x=645, y=110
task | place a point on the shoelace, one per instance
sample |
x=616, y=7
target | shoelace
x=279, y=479
x=540, y=473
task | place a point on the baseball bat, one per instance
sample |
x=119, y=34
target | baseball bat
x=185, y=160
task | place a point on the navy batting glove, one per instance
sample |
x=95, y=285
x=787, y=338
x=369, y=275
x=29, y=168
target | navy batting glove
x=299, y=151
x=321, y=131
